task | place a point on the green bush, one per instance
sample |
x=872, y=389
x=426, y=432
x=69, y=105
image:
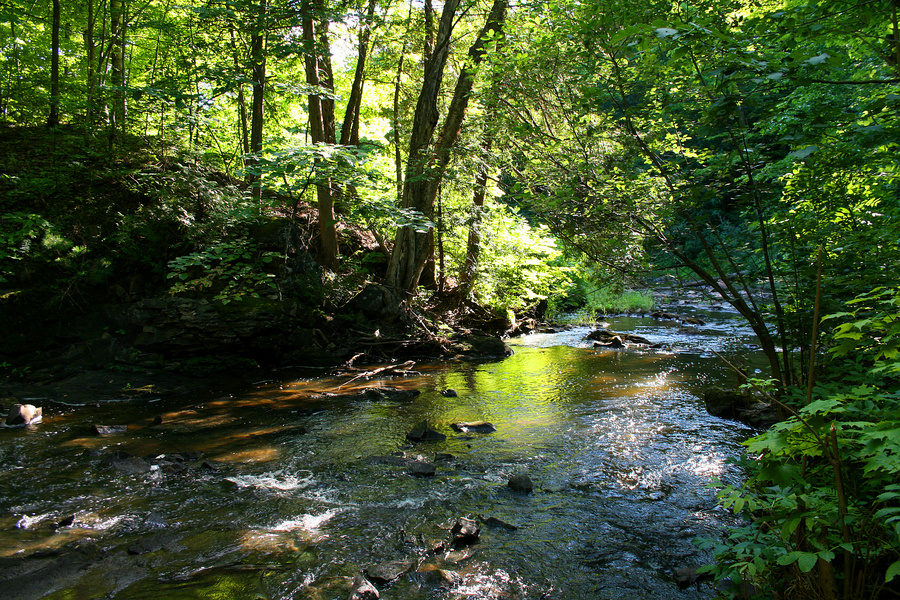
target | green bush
x=231, y=270
x=822, y=497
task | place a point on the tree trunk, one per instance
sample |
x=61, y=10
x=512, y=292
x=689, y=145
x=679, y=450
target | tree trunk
x=425, y=169
x=257, y=110
x=350, y=127
x=90, y=52
x=411, y=249
x=429, y=31
x=117, y=58
x=318, y=130
x=398, y=154
x=473, y=245
x=53, y=119
x=241, y=99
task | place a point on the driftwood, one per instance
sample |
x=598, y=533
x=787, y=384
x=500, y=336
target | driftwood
x=402, y=368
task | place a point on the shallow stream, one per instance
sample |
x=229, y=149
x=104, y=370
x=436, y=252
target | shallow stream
x=281, y=492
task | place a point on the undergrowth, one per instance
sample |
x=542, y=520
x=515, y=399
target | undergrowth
x=821, y=503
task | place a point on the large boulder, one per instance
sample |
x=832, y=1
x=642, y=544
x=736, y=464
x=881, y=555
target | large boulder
x=605, y=336
x=521, y=483
x=376, y=302
x=478, y=345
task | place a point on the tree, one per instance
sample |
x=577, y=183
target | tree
x=426, y=163
x=117, y=112
x=258, y=65
x=53, y=118
x=694, y=171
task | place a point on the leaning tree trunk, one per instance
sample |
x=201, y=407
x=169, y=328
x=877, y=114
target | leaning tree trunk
x=425, y=169
x=411, y=248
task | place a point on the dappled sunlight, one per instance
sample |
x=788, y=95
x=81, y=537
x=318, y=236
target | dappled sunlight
x=249, y=455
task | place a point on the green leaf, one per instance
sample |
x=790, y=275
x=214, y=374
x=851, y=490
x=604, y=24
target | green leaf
x=892, y=572
x=790, y=557
x=807, y=561
x=804, y=152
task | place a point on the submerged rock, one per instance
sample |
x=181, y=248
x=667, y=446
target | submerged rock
x=521, y=483
x=389, y=571
x=421, y=469
x=108, y=429
x=387, y=393
x=495, y=523
x=440, y=577
x=423, y=433
x=132, y=466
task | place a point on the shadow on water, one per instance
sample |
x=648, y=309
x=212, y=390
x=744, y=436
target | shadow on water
x=283, y=492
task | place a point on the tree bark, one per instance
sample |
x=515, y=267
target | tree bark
x=318, y=130
x=258, y=75
x=350, y=126
x=469, y=268
x=429, y=30
x=53, y=118
x=241, y=99
x=425, y=170
x=117, y=58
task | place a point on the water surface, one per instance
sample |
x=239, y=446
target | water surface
x=301, y=490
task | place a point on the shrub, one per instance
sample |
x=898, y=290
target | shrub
x=822, y=497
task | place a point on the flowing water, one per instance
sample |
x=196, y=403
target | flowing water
x=300, y=491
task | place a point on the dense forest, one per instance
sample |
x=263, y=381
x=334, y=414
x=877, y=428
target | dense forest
x=369, y=163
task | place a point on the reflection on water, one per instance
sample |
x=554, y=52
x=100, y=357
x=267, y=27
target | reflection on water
x=300, y=491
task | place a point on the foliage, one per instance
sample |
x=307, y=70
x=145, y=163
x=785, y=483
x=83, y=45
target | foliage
x=519, y=263
x=822, y=517
x=17, y=233
x=231, y=269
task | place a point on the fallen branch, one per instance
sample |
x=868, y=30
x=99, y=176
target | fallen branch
x=367, y=374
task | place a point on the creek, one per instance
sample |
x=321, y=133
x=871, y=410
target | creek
x=279, y=491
